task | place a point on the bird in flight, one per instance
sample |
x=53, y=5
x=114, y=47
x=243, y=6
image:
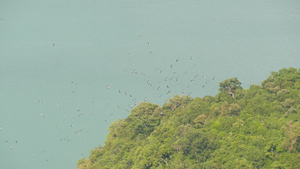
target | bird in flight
x=134, y=72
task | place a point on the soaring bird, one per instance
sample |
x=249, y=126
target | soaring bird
x=134, y=72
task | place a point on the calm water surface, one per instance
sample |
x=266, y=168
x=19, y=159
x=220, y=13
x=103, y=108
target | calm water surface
x=70, y=68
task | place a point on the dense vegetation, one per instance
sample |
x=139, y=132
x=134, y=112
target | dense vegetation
x=256, y=127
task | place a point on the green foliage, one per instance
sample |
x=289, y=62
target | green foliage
x=230, y=86
x=258, y=127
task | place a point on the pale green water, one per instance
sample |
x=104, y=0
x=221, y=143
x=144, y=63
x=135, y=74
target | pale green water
x=97, y=44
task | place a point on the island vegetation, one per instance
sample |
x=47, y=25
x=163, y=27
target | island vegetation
x=257, y=127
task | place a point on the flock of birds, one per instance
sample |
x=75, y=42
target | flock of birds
x=167, y=81
x=166, y=86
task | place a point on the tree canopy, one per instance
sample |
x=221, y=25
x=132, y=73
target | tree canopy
x=230, y=85
x=256, y=127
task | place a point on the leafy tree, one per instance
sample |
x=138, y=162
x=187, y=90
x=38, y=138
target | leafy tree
x=230, y=85
x=256, y=127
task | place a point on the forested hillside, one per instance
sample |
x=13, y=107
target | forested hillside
x=257, y=127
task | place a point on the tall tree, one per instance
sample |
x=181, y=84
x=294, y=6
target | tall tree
x=230, y=85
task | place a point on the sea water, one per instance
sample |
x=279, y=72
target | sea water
x=70, y=68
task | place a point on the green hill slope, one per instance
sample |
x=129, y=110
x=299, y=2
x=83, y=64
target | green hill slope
x=238, y=128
